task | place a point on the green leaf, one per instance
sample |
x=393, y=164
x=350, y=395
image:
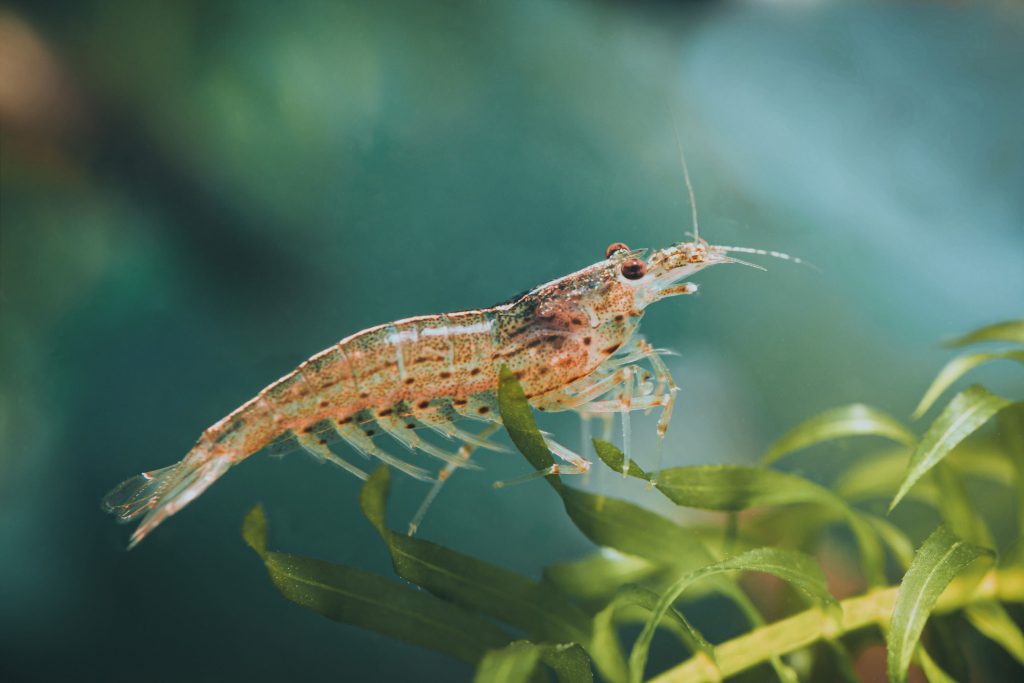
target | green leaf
x=512, y=664
x=932, y=671
x=957, y=368
x=968, y=411
x=600, y=575
x=355, y=597
x=876, y=476
x=631, y=529
x=1009, y=331
x=537, y=608
x=939, y=560
x=646, y=599
x=960, y=514
x=614, y=459
x=879, y=474
x=1011, y=434
x=992, y=621
x=518, y=662
x=521, y=427
x=793, y=567
x=856, y=419
x=897, y=541
x=569, y=662
x=738, y=487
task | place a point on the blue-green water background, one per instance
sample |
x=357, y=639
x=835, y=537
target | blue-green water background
x=205, y=194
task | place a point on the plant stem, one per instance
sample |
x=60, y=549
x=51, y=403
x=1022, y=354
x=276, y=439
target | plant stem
x=800, y=630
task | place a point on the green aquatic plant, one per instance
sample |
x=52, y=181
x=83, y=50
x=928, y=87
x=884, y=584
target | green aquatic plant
x=571, y=623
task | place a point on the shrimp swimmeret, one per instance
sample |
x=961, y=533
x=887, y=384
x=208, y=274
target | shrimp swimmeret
x=572, y=343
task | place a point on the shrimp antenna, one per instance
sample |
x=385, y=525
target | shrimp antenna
x=686, y=177
x=767, y=252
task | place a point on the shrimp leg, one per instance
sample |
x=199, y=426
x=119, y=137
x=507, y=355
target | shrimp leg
x=465, y=451
x=362, y=442
x=402, y=430
x=318, y=449
x=577, y=464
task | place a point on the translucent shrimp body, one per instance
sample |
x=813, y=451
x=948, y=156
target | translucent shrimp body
x=571, y=342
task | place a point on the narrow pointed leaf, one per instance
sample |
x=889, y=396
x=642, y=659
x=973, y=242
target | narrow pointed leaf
x=1009, y=331
x=992, y=621
x=631, y=529
x=355, y=597
x=957, y=368
x=968, y=411
x=614, y=459
x=537, y=608
x=1011, y=434
x=793, y=567
x=516, y=663
x=853, y=420
x=518, y=420
x=519, y=662
x=938, y=561
x=961, y=516
x=932, y=671
x=569, y=662
x=604, y=621
x=600, y=575
x=738, y=487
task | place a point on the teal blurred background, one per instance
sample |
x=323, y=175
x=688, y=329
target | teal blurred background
x=198, y=196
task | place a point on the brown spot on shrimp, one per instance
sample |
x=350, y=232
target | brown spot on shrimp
x=611, y=349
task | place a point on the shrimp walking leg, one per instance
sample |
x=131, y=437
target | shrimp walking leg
x=440, y=419
x=465, y=451
x=664, y=380
x=318, y=448
x=404, y=432
x=577, y=464
x=360, y=441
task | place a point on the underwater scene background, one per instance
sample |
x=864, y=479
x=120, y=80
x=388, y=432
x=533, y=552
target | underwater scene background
x=198, y=196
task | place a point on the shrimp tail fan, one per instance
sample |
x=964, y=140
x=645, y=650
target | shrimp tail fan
x=156, y=495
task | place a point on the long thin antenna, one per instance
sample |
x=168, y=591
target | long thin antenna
x=686, y=177
x=766, y=252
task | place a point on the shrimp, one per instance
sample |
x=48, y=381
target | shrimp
x=572, y=343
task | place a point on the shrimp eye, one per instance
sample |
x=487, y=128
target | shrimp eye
x=614, y=247
x=633, y=268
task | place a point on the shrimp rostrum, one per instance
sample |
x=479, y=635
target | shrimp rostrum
x=572, y=343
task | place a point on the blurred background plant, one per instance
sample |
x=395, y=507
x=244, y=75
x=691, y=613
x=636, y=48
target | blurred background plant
x=197, y=196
